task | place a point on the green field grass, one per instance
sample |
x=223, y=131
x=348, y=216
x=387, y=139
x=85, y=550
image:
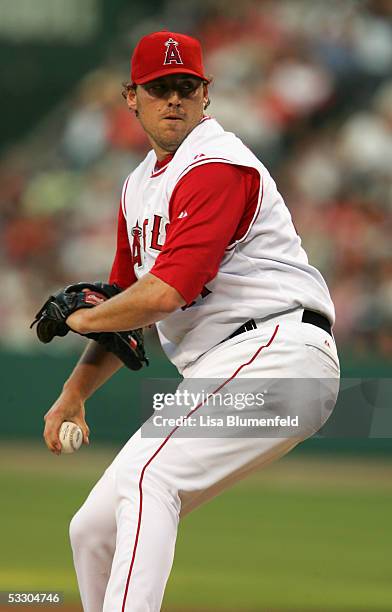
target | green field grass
x=308, y=533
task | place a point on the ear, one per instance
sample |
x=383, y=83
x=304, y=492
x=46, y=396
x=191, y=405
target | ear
x=205, y=95
x=131, y=99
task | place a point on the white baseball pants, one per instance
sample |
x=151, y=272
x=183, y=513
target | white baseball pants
x=124, y=535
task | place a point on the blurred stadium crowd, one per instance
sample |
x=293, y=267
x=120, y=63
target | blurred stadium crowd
x=307, y=85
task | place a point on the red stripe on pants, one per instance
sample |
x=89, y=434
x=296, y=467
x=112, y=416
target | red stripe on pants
x=163, y=444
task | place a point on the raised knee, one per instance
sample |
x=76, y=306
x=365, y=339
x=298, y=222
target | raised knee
x=89, y=531
x=83, y=531
x=78, y=530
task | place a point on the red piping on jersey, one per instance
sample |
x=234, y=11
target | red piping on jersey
x=160, y=171
x=123, y=197
x=270, y=341
x=256, y=214
x=204, y=160
x=199, y=161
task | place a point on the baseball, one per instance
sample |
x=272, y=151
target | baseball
x=71, y=437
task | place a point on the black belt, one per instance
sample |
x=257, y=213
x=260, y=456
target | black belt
x=309, y=316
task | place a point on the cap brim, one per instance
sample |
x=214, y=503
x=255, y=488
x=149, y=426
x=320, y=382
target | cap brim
x=167, y=71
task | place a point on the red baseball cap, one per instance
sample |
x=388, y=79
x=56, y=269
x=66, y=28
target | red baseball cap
x=161, y=53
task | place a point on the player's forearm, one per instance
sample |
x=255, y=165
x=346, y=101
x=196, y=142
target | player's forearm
x=93, y=369
x=147, y=301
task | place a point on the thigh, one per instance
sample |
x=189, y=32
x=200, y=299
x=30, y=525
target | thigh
x=297, y=368
x=290, y=370
x=194, y=463
x=181, y=472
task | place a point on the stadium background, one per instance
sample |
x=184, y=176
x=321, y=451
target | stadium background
x=308, y=85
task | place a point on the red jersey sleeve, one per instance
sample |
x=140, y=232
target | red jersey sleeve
x=211, y=207
x=122, y=272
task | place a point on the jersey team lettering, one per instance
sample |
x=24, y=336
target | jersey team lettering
x=157, y=237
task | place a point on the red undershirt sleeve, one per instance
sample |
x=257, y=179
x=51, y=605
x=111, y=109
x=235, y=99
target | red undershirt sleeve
x=122, y=272
x=211, y=207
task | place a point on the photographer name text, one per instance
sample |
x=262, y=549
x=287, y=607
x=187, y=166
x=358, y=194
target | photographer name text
x=230, y=420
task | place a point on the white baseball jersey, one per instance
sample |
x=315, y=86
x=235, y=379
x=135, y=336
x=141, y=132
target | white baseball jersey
x=263, y=273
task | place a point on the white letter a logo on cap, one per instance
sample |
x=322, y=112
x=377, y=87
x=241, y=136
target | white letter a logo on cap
x=172, y=53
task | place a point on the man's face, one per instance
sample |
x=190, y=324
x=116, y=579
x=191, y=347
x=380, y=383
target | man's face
x=168, y=109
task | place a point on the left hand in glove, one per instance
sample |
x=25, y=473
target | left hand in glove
x=50, y=319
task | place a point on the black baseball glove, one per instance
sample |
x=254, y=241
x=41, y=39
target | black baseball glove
x=50, y=320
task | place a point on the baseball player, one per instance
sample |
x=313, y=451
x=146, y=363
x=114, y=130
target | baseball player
x=207, y=251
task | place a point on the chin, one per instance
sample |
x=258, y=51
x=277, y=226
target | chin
x=172, y=144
